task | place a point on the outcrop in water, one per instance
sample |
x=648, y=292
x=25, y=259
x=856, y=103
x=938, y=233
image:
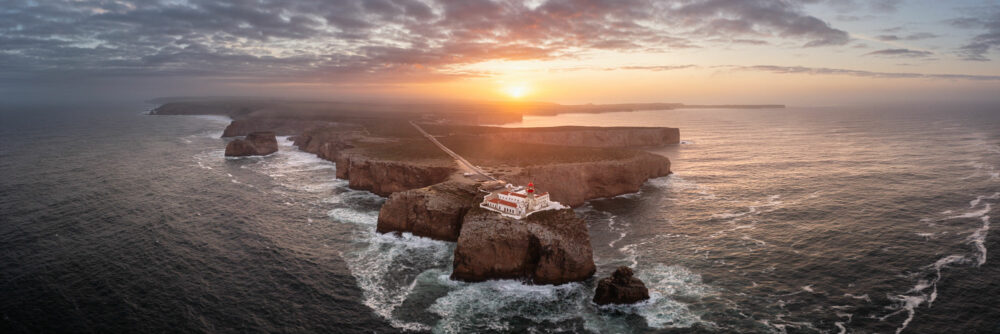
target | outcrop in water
x=620, y=288
x=548, y=247
x=434, y=212
x=256, y=143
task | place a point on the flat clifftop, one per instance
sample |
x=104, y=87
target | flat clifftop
x=586, y=136
x=573, y=174
x=548, y=247
x=575, y=183
x=595, y=137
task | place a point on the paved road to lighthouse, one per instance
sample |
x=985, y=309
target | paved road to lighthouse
x=457, y=157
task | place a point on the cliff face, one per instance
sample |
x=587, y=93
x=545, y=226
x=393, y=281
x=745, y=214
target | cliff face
x=434, y=212
x=592, y=137
x=362, y=172
x=574, y=183
x=549, y=247
x=385, y=177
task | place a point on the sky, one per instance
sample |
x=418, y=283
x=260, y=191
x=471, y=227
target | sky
x=797, y=52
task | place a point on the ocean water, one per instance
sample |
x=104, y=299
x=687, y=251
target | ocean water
x=799, y=220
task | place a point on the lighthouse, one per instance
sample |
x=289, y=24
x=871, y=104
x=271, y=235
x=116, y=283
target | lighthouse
x=518, y=202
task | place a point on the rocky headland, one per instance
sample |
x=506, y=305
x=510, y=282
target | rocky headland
x=255, y=143
x=436, y=211
x=548, y=247
x=428, y=195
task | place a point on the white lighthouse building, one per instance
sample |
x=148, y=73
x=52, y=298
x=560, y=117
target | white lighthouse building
x=518, y=202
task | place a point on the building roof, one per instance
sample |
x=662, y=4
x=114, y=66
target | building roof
x=503, y=202
x=514, y=194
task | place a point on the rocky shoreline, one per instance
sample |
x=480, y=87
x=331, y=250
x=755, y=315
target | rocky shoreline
x=428, y=195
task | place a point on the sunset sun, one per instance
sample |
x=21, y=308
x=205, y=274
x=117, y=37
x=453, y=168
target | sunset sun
x=516, y=91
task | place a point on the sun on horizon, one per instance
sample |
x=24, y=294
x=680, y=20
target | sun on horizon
x=516, y=91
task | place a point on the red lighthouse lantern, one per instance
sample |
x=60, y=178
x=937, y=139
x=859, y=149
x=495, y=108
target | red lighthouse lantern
x=531, y=187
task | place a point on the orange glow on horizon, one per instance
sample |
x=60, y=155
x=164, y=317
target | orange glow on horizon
x=516, y=91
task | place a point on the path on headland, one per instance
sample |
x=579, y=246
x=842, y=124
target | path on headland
x=457, y=157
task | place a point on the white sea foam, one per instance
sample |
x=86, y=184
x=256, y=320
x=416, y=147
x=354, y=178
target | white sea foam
x=974, y=214
x=860, y=297
x=666, y=283
x=218, y=119
x=491, y=305
x=975, y=202
x=387, y=268
x=622, y=227
x=840, y=325
x=348, y=215
x=978, y=239
x=907, y=304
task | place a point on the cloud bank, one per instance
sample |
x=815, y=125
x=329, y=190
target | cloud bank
x=370, y=40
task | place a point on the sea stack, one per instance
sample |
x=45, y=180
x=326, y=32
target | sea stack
x=255, y=143
x=547, y=247
x=620, y=288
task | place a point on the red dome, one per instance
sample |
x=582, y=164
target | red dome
x=531, y=184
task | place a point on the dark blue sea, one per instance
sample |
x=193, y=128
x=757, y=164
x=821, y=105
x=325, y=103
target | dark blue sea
x=797, y=220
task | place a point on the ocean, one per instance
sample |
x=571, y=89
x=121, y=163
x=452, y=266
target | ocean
x=797, y=220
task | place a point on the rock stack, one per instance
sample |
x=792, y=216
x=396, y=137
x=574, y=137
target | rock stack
x=620, y=288
x=255, y=143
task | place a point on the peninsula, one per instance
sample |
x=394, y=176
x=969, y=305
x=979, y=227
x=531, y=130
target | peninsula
x=439, y=168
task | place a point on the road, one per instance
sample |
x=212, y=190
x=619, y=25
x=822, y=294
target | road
x=468, y=165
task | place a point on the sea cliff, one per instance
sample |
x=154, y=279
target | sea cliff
x=548, y=247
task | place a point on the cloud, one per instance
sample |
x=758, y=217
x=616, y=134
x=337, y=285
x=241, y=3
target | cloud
x=987, y=20
x=911, y=37
x=907, y=53
x=758, y=18
x=864, y=74
x=339, y=40
x=844, y=6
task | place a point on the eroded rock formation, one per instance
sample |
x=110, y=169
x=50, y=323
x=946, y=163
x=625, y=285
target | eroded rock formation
x=620, y=288
x=255, y=143
x=549, y=247
x=434, y=212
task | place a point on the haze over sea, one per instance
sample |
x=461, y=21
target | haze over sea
x=798, y=220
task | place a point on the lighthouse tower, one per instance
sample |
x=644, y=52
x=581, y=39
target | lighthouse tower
x=531, y=196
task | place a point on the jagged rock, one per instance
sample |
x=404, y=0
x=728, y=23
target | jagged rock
x=256, y=143
x=434, y=212
x=620, y=288
x=548, y=247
